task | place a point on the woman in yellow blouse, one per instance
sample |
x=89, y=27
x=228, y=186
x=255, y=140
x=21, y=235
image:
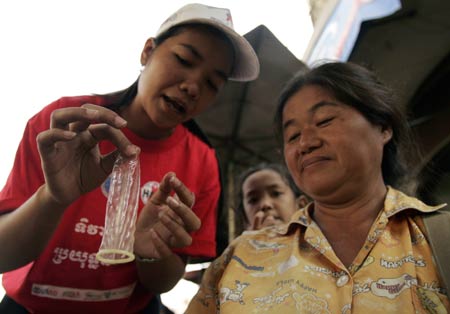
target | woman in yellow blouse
x=360, y=246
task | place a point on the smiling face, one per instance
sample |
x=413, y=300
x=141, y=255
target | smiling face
x=330, y=148
x=267, y=197
x=181, y=77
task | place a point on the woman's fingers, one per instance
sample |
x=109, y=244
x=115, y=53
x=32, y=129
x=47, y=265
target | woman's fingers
x=164, y=190
x=185, y=195
x=169, y=217
x=181, y=207
x=101, y=132
x=161, y=249
x=179, y=236
x=77, y=119
x=190, y=220
x=171, y=232
x=104, y=115
x=46, y=140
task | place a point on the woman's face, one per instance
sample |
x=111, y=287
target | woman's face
x=331, y=149
x=267, y=198
x=182, y=76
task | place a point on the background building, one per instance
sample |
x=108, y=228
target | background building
x=408, y=45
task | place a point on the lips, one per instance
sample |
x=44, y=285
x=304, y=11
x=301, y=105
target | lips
x=308, y=162
x=176, y=104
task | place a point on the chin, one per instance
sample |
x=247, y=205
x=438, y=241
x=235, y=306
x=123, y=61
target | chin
x=320, y=190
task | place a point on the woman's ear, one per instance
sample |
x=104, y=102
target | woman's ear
x=147, y=51
x=386, y=134
x=302, y=201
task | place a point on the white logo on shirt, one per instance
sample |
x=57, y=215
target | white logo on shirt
x=148, y=189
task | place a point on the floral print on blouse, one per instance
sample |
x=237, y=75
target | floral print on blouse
x=293, y=269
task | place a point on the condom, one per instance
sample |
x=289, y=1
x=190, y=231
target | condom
x=121, y=212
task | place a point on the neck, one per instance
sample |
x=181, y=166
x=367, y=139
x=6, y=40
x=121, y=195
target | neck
x=361, y=209
x=347, y=224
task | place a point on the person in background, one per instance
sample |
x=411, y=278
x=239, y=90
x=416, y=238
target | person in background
x=360, y=246
x=53, y=204
x=266, y=196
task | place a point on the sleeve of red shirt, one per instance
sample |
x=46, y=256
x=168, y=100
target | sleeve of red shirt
x=26, y=175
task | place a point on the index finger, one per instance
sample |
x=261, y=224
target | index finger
x=257, y=221
x=84, y=116
x=163, y=192
x=185, y=195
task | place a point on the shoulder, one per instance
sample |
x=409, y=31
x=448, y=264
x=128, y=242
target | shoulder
x=65, y=102
x=77, y=101
x=397, y=202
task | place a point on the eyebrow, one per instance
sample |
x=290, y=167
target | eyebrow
x=312, y=111
x=273, y=186
x=198, y=55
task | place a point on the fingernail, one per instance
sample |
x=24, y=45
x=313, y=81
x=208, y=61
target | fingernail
x=133, y=150
x=92, y=113
x=172, y=201
x=69, y=134
x=174, y=180
x=120, y=122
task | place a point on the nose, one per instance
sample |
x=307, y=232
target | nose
x=191, y=87
x=309, y=140
x=265, y=204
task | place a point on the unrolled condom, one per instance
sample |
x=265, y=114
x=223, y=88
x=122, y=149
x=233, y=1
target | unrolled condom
x=121, y=212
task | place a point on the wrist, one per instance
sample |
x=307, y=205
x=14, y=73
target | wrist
x=44, y=195
x=146, y=260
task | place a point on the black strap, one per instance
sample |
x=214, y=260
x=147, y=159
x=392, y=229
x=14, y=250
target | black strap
x=9, y=306
x=437, y=227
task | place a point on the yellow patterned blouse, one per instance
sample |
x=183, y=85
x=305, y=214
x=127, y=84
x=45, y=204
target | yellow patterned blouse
x=293, y=269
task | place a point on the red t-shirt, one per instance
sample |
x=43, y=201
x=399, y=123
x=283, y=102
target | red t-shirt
x=66, y=278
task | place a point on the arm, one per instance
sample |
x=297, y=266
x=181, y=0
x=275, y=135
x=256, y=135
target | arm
x=207, y=298
x=72, y=166
x=24, y=232
x=163, y=274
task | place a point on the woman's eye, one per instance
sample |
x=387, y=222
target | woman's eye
x=212, y=85
x=183, y=61
x=251, y=201
x=293, y=137
x=277, y=193
x=325, y=122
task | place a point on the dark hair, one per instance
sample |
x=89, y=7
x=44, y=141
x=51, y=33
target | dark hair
x=359, y=88
x=240, y=216
x=118, y=99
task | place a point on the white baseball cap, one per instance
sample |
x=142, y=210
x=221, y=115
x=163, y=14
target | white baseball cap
x=246, y=64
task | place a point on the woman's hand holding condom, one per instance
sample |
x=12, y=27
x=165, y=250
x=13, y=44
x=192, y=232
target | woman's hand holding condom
x=166, y=221
x=71, y=160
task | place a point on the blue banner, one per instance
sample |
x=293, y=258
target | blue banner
x=337, y=36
